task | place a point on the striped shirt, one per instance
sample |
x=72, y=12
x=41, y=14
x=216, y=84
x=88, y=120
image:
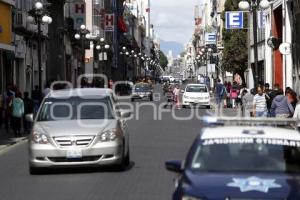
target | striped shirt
x=260, y=103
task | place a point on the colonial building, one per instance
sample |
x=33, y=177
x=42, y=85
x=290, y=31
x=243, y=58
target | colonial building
x=7, y=48
x=296, y=44
x=26, y=70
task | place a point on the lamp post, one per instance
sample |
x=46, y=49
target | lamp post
x=133, y=56
x=124, y=53
x=102, y=47
x=206, y=52
x=253, y=6
x=82, y=35
x=39, y=15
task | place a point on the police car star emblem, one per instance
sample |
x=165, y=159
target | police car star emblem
x=254, y=184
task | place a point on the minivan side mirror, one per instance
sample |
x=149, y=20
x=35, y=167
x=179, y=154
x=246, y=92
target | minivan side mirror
x=174, y=166
x=29, y=117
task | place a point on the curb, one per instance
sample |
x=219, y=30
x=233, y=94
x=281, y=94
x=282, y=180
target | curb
x=12, y=143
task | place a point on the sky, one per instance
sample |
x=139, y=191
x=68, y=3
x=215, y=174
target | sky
x=173, y=20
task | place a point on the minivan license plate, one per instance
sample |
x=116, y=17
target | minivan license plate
x=74, y=153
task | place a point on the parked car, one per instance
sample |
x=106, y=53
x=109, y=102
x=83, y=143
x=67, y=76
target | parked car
x=124, y=88
x=196, y=94
x=142, y=91
x=79, y=127
x=168, y=79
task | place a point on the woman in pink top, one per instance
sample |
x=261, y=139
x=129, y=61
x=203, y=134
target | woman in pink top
x=234, y=92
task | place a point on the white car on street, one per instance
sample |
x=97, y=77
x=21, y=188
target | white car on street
x=168, y=78
x=79, y=127
x=196, y=94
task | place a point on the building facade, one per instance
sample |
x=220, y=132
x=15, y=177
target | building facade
x=7, y=48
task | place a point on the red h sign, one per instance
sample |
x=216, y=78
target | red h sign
x=80, y=8
x=109, y=22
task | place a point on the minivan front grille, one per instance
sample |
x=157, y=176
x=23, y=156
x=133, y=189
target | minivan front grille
x=71, y=141
x=83, y=159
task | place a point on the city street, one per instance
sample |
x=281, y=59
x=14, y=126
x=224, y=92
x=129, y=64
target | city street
x=65, y=135
x=151, y=144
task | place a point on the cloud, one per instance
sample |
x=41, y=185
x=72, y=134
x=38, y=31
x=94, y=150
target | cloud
x=173, y=20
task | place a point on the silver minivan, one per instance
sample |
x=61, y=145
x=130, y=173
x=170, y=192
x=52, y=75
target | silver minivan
x=79, y=127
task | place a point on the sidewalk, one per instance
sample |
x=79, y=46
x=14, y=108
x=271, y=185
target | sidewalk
x=8, y=139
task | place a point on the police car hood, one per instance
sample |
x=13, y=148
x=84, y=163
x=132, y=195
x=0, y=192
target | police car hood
x=242, y=186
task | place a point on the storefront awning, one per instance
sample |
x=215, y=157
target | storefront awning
x=7, y=47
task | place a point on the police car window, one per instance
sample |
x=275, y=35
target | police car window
x=246, y=157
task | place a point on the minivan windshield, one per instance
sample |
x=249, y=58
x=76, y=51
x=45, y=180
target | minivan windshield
x=76, y=108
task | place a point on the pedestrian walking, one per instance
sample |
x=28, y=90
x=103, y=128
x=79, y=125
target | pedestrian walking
x=260, y=103
x=17, y=113
x=220, y=92
x=47, y=90
x=169, y=97
x=234, y=94
x=247, y=102
x=281, y=106
x=225, y=95
x=28, y=109
x=166, y=88
x=268, y=92
x=36, y=97
x=292, y=96
x=8, y=99
x=176, y=93
x=297, y=114
x=110, y=83
x=275, y=92
x=228, y=87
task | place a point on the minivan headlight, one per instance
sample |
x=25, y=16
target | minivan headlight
x=39, y=138
x=108, y=136
x=186, y=97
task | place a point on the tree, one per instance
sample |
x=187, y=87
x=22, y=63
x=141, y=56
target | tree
x=235, y=55
x=163, y=60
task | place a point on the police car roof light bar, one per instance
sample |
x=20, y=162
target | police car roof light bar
x=237, y=121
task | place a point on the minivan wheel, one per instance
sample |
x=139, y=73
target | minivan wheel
x=125, y=162
x=127, y=159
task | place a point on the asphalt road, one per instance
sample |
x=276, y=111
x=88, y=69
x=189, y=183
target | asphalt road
x=152, y=142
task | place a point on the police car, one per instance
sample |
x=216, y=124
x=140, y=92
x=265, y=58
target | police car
x=241, y=159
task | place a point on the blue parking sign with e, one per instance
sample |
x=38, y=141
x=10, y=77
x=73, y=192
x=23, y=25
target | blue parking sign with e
x=234, y=20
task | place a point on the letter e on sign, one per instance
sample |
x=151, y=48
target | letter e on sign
x=234, y=20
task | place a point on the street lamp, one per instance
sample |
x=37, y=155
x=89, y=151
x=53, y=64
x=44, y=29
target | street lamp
x=38, y=15
x=253, y=7
x=102, y=47
x=82, y=35
x=124, y=53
